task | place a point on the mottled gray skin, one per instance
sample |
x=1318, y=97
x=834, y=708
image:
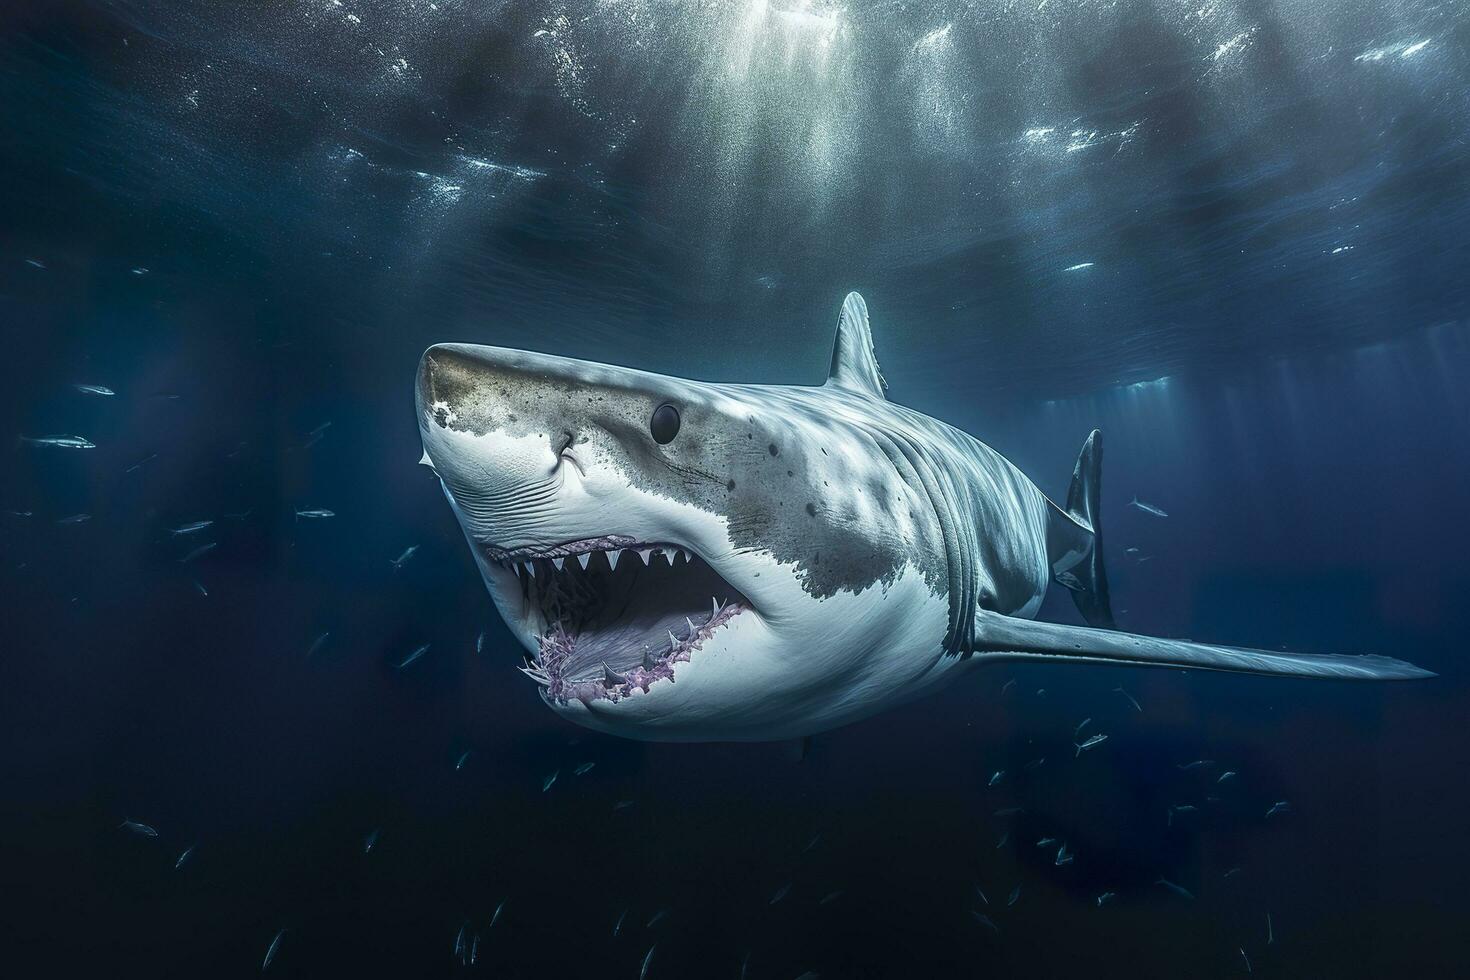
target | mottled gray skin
x=779, y=463
x=875, y=549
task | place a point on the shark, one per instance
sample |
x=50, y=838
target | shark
x=685, y=560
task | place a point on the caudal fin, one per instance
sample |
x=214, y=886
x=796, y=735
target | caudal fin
x=1074, y=538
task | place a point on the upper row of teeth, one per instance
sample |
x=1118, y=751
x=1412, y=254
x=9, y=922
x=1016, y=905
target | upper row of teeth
x=645, y=555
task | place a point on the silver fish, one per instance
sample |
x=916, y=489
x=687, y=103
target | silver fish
x=413, y=656
x=1147, y=508
x=141, y=829
x=203, y=549
x=183, y=856
x=407, y=554
x=190, y=528
x=1095, y=740
x=60, y=442
x=94, y=390
x=317, y=513
x=270, y=952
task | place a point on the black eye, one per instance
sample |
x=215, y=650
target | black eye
x=665, y=424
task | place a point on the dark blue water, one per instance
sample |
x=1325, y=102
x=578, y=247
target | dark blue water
x=249, y=224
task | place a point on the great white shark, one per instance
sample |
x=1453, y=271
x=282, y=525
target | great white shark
x=690, y=561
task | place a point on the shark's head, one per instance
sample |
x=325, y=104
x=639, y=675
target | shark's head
x=683, y=560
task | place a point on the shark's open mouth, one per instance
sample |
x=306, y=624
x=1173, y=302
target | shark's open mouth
x=618, y=613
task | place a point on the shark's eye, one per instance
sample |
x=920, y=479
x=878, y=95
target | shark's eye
x=665, y=424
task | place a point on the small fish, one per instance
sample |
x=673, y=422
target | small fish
x=1064, y=856
x=1270, y=933
x=1078, y=730
x=1015, y=896
x=459, y=944
x=142, y=829
x=1147, y=508
x=370, y=841
x=1105, y=898
x=21, y=513
x=1247, y=961
x=475, y=949
x=190, y=528
x=984, y=920
x=1005, y=839
x=94, y=390
x=1094, y=740
x=317, y=513
x=981, y=892
x=459, y=763
x=622, y=805
x=999, y=775
x=1197, y=764
x=1231, y=774
x=1176, y=889
x=1231, y=873
x=546, y=783
x=496, y=917
x=830, y=897
x=35, y=263
x=1007, y=686
x=203, y=549
x=583, y=769
x=1046, y=842
x=1131, y=699
x=618, y=926
x=141, y=271
x=317, y=644
x=183, y=856
x=270, y=952
x=1281, y=807
x=643, y=973
x=780, y=894
x=480, y=642
x=658, y=917
x=811, y=844
x=240, y=515
x=75, y=519
x=1034, y=763
x=407, y=554
x=413, y=656
x=202, y=590
x=60, y=442
x=1130, y=551
x=1078, y=267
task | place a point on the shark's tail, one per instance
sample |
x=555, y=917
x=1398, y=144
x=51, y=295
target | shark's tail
x=1074, y=538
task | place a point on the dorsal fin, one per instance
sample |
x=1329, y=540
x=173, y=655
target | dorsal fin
x=854, y=368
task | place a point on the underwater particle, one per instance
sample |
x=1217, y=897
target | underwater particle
x=780, y=893
x=317, y=644
x=830, y=897
x=371, y=841
x=199, y=552
x=270, y=952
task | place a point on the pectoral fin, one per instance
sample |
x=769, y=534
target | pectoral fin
x=1005, y=637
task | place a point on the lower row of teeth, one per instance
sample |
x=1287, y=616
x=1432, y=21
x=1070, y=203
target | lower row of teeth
x=611, y=678
x=645, y=555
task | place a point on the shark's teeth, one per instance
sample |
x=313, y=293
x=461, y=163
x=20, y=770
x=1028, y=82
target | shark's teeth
x=583, y=558
x=530, y=567
x=714, y=607
x=673, y=642
x=690, y=624
x=610, y=677
x=612, y=558
x=536, y=676
x=558, y=562
x=645, y=553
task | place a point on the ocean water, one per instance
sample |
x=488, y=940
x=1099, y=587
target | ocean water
x=1232, y=235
